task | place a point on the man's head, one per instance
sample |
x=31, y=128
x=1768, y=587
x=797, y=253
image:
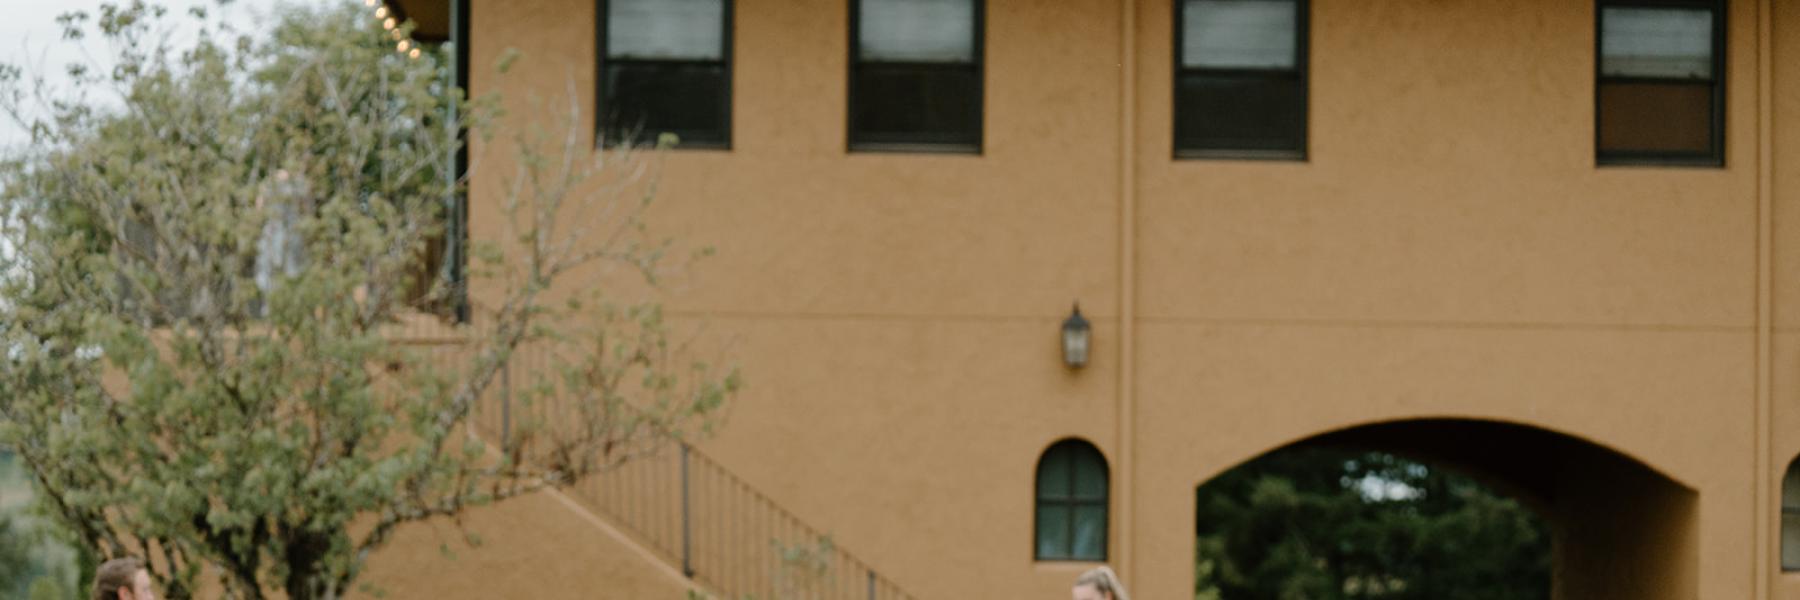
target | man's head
x=122, y=579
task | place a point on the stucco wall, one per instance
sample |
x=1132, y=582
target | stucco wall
x=1785, y=132
x=538, y=546
x=1448, y=249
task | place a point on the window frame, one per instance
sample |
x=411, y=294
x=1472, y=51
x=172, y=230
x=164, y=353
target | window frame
x=1714, y=156
x=977, y=63
x=1302, y=72
x=1789, y=507
x=727, y=62
x=1072, y=503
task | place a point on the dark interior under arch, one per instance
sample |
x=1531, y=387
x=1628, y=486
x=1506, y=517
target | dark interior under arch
x=1619, y=529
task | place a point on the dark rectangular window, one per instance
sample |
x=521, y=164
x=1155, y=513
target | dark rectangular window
x=1660, y=92
x=1240, y=78
x=915, y=75
x=665, y=67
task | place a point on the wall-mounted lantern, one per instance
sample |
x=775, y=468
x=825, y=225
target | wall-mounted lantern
x=1075, y=333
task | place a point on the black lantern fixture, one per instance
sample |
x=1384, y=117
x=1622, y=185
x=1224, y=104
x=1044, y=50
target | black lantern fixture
x=1075, y=333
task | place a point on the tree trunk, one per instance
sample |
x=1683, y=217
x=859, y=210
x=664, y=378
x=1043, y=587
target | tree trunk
x=307, y=579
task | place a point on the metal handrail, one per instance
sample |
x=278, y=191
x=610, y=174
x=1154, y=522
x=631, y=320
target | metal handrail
x=725, y=534
x=695, y=514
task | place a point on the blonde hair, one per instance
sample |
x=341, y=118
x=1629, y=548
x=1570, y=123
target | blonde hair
x=1105, y=580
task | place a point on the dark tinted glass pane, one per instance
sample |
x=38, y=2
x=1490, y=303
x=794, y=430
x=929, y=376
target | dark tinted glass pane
x=1053, y=530
x=1090, y=476
x=1790, y=541
x=646, y=99
x=1240, y=112
x=1790, y=487
x=1090, y=533
x=916, y=104
x=1656, y=117
x=1053, y=476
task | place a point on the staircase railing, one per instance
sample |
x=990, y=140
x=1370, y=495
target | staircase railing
x=719, y=530
x=726, y=535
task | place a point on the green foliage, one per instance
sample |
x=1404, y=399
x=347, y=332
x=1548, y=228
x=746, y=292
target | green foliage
x=49, y=589
x=1323, y=523
x=805, y=567
x=35, y=560
x=15, y=557
x=198, y=340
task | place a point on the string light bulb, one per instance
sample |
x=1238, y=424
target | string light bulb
x=402, y=45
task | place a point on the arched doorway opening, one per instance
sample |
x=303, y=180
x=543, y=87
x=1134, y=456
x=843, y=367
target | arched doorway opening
x=1345, y=514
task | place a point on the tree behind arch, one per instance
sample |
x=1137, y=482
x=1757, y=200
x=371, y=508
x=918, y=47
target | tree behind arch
x=1328, y=523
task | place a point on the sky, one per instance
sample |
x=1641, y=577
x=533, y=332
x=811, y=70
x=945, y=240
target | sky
x=30, y=37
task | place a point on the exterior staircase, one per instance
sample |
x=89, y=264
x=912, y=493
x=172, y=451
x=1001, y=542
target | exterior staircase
x=724, y=534
x=715, y=528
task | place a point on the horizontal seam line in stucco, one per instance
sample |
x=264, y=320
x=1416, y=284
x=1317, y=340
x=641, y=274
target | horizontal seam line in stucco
x=738, y=314
x=1411, y=324
x=1241, y=321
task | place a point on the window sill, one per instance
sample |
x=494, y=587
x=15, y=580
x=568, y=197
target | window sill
x=1653, y=160
x=706, y=146
x=711, y=140
x=915, y=148
x=1064, y=565
x=1220, y=154
x=682, y=146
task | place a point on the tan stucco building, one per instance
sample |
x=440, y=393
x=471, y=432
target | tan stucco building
x=1481, y=243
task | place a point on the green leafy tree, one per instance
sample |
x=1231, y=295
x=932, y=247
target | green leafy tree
x=202, y=357
x=1324, y=523
x=15, y=557
x=34, y=558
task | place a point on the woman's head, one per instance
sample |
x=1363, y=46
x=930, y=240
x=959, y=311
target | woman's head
x=1099, y=583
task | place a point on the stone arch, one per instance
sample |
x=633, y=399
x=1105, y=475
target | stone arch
x=1621, y=528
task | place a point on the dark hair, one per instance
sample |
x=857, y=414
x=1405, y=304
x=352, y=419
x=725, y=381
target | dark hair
x=114, y=574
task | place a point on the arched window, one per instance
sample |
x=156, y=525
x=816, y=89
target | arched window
x=1790, y=518
x=1071, y=503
